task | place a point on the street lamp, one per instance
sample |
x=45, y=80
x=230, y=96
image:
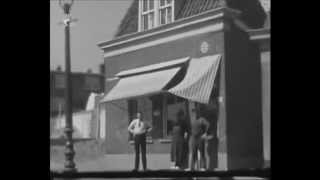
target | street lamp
x=69, y=165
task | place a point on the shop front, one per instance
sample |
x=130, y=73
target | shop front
x=203, y=62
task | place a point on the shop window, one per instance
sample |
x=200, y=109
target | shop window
x=154, y=13
x=160, y=113
x=132, y=110
x=157, y=116
x=173, y=105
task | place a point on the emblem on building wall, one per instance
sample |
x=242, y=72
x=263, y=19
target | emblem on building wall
x=204, y=47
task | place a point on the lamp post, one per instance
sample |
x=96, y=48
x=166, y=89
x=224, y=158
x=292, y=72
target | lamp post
x=69, y=165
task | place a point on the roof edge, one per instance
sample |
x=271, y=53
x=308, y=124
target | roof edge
x=223, y=12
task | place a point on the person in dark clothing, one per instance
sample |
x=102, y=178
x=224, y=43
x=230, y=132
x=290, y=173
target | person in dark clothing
x=139, y=129
x=179, y=134
x=199, y=129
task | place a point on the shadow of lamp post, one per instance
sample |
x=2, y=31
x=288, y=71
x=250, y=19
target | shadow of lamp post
x=69, y=165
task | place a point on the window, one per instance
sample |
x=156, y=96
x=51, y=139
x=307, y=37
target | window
x=164, y=113
x=158, y=110
x=148, y=14
x=60, y=81
x=153, y=13
x=132, y=110
x=143, y=105
x=173, y=105
x=165, y=10
x=157, y=116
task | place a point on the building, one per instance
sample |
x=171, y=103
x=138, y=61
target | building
x=83, y=83
x=185, y=54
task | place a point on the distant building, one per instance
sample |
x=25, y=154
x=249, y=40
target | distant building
x=83, y=83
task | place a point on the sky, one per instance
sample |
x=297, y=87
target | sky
x=98, y=21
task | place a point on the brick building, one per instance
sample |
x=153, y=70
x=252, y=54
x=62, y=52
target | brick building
x=83, y=83
x=185, y=54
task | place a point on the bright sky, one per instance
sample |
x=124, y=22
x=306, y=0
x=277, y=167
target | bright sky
x=98, y=21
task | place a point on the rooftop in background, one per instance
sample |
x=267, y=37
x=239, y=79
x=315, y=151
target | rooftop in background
x=88, y=72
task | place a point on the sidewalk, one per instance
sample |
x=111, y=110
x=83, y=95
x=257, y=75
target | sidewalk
x=118, y=162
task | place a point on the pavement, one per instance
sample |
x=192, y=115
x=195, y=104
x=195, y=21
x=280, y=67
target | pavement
x=125, y=162
x=118, y=162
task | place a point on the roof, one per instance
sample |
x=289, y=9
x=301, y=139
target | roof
x=253, y=14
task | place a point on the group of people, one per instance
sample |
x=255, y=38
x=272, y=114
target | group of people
x=187, y=140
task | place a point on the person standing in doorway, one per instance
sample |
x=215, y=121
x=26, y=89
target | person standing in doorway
x=199, y=130
x=179, y=134
x=139, y=129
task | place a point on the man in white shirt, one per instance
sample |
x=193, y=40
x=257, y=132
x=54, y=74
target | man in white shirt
x=139, y=129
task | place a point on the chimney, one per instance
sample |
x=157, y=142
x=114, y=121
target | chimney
x=89, y=71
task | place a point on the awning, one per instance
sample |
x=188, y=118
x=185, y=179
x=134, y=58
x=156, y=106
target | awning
x=153, y=67
x=141, y=85
x=199, y=80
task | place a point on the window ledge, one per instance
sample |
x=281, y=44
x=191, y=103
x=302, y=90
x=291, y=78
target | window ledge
x=165, y=141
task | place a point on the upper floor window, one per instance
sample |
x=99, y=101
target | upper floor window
x=166, y=11
x=153, y=13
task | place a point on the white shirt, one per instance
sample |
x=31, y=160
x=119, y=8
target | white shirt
x=138, y=127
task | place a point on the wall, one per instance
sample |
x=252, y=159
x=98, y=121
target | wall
x=243, y=101
x=266, y=85
x=117, y=118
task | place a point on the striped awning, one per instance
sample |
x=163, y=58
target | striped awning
x=199, y=79
x=141, y=85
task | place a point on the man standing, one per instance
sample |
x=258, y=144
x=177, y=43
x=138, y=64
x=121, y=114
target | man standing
x=199, y=130
x=139, y=129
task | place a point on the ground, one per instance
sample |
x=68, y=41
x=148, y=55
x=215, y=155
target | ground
x=90, y=156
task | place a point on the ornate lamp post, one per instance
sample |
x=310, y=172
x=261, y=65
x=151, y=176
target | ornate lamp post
x=69, y=165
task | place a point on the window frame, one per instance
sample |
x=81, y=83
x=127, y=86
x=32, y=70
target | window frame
x=165, y=7
x=156, y=10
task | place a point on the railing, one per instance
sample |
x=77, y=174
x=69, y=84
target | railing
x=258, y=173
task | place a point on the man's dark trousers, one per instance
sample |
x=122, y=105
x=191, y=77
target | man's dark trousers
x=140, y=143
x=197, y=143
